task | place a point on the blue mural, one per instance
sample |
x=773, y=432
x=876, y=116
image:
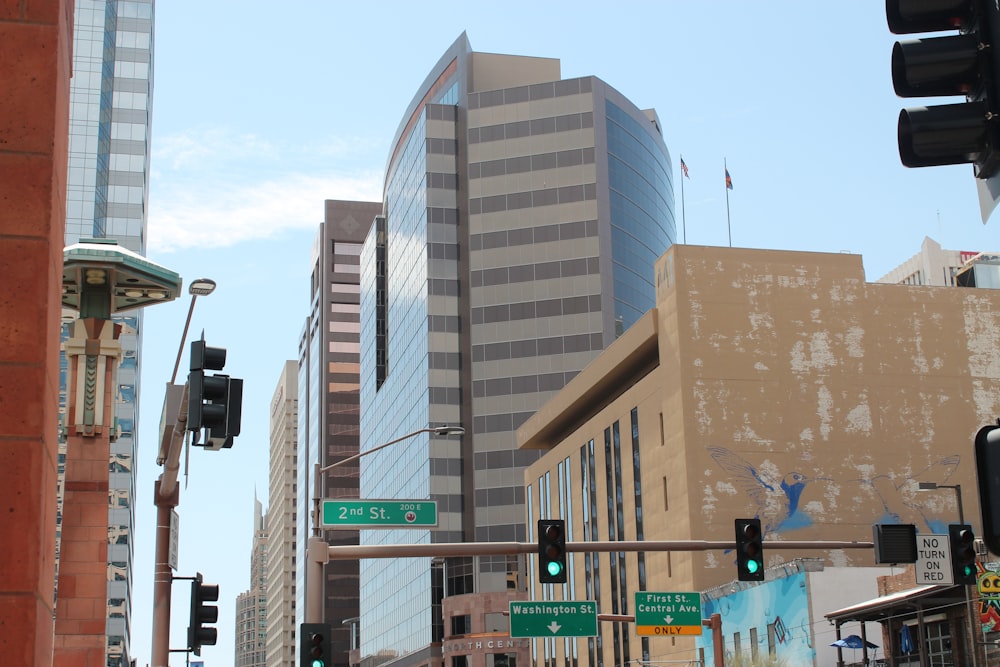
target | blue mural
x=776, y=612
x=776, y=499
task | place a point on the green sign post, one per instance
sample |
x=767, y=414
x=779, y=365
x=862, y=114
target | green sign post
x=557, y=618
x=667, y=613
x=347, y=513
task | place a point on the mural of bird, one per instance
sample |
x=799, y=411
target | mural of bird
x=777, y=502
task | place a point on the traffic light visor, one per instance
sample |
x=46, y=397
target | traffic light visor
x=909, y=16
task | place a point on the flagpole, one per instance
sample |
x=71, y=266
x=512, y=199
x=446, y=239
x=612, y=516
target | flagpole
x=683, y=213
x=729, y=224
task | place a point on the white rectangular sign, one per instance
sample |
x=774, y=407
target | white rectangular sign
x=933, y=560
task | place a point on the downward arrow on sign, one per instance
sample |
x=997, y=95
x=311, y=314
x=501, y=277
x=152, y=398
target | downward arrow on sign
x=554, y=627
x=669, y=619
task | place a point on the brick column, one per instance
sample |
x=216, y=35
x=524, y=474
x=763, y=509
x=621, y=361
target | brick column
x=35, y=60
x=92, y=355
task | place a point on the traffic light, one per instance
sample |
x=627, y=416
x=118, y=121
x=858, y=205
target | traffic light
x=215, y=402
x=314, y=645
x=951, y=65
x=551, y=551
x=749, y=550
x=987, y=445
x=963, y=553
x=202, y=614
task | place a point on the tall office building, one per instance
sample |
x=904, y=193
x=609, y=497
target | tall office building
x=523, y=214
x=281, y=527
x=251, y=605
x=328, y=406
x=106, y=197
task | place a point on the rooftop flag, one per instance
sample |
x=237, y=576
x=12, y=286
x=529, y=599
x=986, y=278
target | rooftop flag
x=729, y=180
x=684, y=169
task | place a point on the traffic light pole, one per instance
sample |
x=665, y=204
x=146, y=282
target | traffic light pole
x=446, y=549
x=166, y=497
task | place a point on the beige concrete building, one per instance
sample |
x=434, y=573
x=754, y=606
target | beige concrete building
x=764, y=383
x=281, y=525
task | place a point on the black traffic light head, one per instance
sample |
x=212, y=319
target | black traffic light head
x=215, y=401
x=960, y=64
x=202, y=614
x=963, y=553
x=749, y=550
x=987, y=445
x=551, y=551
x=314, y=645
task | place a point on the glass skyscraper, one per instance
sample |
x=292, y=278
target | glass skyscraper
x=522, y=217
x=106, y=197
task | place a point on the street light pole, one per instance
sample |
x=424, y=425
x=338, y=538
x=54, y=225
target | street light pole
x=929, y=486
x=166, y=493
x=318, y=551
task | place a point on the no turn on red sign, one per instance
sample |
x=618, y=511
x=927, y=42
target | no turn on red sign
x=933, y=566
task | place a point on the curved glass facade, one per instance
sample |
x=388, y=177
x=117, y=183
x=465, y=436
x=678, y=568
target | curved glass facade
x=396, y=593
x=642, y=215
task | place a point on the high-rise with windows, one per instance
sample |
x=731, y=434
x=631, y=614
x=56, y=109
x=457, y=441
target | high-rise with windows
x=522, y=217
x=251, y=605
x=328, y=408
x=281, y=520
x=106, y=195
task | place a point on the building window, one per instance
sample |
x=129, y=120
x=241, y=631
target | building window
x=461, y=625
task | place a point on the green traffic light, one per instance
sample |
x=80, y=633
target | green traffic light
x=554, y=568
x=318, y=663
x=752, y=566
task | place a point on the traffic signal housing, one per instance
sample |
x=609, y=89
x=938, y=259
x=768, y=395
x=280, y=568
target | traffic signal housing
x=987, y=448
x=215, y=401
x=314, y=645
x=950, y=65
x=202, y=615
x=963, y=553
x=749, y=550
x=551, y=551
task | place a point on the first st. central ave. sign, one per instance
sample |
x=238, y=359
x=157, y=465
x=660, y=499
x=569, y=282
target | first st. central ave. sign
x=933, y=564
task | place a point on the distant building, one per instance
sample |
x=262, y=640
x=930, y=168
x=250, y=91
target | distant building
x=932, y=266
x=523, y=214
x=251, y=605
x=778, y=385
x=281, y=525
x=328, y=377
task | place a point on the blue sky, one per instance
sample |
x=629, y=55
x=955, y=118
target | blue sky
x=261, y=114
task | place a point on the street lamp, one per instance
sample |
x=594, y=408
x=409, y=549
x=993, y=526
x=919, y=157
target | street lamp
x=198, y=287
x=931, y=486
x=318, y=550
x=166, y=495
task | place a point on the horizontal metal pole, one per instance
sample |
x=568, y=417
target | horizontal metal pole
x=444, y=549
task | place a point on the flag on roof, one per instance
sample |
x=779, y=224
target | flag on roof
x=729, y=180
x=684, y=169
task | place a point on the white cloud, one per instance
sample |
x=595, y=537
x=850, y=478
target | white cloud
x=216, y=189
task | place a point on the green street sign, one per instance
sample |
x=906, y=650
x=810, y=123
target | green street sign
x=346, y=513
x=667, y=613
x=562, y=618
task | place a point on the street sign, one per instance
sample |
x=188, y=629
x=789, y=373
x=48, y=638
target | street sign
x=348, y=513
x=933, y=560
x=557, y=618
x=667, y=613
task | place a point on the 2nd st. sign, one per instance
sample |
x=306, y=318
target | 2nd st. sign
x=344, y=513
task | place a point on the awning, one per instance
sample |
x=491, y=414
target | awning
x=910, y=600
